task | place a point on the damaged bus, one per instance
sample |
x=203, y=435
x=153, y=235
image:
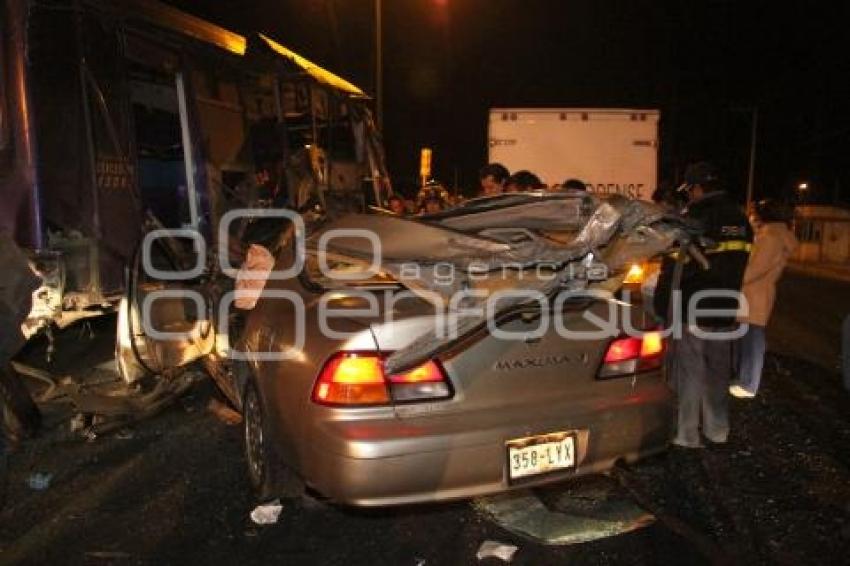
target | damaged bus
x=120, y=117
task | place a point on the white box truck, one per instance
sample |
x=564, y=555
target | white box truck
x=612, y=150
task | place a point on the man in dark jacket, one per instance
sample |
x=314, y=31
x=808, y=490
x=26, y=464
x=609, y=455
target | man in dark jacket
x=700, y=356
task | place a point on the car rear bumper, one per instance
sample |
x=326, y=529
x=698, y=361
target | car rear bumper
x=427, y=459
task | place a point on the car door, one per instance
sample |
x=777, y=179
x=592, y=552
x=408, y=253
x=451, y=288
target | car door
x=165, y=318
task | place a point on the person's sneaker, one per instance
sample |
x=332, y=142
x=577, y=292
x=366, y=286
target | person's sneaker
x=718, y=442
x=740, y=392
x=684, y=444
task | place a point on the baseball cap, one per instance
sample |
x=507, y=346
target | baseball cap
x=701, y=173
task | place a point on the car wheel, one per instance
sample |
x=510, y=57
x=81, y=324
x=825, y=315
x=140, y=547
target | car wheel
x=257, y=452
x=270, y=476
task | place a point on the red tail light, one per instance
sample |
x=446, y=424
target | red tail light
x=633, y=354
x=623, y=350
x=351, y=379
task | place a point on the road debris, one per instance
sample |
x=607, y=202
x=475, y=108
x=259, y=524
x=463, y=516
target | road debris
x=188, y=402
x=224, y=413
x=492, y=549
x=39, y=481
x=588, y=509
x=79, y=422
x=125, y=434
x=267, y=513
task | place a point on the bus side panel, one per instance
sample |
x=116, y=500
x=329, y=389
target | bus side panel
x=120, y=212
x=86, y=198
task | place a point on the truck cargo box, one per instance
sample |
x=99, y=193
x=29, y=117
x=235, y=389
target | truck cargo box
x=611, y=150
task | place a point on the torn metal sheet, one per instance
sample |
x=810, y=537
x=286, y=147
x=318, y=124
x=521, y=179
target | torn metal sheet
x=404, y=240
x=536, y=211
x=394, y=242
x=503, y=234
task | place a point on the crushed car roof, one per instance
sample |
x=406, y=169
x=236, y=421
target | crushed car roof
x=509, y=234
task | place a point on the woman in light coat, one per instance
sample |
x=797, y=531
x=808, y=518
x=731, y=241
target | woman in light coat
x=773, y=245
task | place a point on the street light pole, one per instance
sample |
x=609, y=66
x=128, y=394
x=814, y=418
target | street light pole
x=752, y=173
x=379, y=64
x=802, y=192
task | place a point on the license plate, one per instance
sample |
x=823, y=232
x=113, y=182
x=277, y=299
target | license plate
x=541, y=454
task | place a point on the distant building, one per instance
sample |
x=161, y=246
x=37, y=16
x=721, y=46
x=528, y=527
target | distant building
x=823, y=232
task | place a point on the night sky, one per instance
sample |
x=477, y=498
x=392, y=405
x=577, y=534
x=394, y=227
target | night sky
x=704, y=64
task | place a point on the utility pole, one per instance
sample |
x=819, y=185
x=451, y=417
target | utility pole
x=379, y=64
x=753, y=141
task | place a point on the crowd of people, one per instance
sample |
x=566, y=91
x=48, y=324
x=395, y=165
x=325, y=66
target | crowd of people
x=747, y=251
x=494, y=179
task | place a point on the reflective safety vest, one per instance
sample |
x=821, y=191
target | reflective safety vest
x=726, y=246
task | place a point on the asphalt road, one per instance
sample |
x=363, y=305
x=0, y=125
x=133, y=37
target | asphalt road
x=808, y=317
x=173, y=490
